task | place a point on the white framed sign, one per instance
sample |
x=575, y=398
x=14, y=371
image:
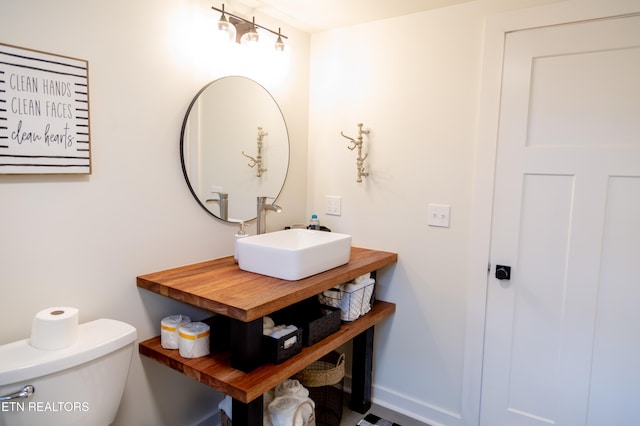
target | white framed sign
x=44, y=113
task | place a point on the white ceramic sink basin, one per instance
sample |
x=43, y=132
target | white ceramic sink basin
x=293, y=254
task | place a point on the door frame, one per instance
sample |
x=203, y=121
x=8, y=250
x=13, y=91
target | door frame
x=496, y=29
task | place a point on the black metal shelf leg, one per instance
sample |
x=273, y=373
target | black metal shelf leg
x=361, y=370
x=245, y=344
x=247, y=414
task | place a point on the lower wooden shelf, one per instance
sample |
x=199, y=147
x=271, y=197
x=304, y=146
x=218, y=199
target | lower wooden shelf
x=215, y=370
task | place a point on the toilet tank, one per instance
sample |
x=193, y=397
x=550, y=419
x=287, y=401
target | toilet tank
x=78, y=385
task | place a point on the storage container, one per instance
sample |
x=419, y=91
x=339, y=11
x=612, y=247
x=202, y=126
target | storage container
x=316, y=320
x=319, y=326
x=277, y=350
x=324, y=379
x=352, y=303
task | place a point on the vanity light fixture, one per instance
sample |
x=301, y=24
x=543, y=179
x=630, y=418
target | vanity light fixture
x=244, y=31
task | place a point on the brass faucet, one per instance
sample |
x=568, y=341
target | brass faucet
x=223, y=203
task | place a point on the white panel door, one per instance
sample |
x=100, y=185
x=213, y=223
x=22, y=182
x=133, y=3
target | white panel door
x=562, y=342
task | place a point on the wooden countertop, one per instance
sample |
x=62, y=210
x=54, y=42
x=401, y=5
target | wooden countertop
x=220, y=286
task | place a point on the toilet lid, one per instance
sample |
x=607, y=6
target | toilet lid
x=21, y=361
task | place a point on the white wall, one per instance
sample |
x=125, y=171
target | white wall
x=414, y=81
x=81, y=241
x=415, y=88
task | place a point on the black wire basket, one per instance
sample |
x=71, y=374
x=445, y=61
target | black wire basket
x=324, y=379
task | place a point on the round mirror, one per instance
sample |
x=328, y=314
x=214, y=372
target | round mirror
x=234, y=147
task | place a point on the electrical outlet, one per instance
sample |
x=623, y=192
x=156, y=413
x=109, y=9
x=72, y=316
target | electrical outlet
x=333, y=205
x=438, y=215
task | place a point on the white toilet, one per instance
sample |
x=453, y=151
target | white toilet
x=78, y=385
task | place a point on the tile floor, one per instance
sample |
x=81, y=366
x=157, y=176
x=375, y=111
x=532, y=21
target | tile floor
x=351, y=418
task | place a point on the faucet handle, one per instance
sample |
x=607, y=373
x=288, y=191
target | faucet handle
x=221, y=195
x=263, y=198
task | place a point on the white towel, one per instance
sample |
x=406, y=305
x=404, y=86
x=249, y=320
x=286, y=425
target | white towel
x=267, y=398
x=291, y=328
x=332, y=296
x=270, y=331
x=225, y=405
x=282, y=410
x=362, y=278
x=305, y=414
x=267, y=322
x=355, y=286
x=355, y=301
x=368, y=294
x=350, y=306
x=292, y=387
x=281, y=331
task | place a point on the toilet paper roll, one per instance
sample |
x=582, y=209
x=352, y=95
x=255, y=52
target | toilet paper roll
x=194, y=340
x=54, y=328
x=169, y=330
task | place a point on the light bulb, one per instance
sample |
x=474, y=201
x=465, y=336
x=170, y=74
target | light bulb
x=279, y=42
x=226, y=27
x=251, y=37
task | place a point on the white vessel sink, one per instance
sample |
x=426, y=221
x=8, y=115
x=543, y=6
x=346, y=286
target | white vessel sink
x=293, y=254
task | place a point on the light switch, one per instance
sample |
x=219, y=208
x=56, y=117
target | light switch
x=439, y=215
x=333, y=205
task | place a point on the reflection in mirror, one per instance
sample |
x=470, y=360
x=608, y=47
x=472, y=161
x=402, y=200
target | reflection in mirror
x=230, y=119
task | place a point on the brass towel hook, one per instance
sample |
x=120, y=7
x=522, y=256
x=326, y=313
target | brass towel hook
x=258, y=160
x=357, y=143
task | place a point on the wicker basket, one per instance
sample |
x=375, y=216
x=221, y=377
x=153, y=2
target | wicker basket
x=324, y=372
x=325, y=380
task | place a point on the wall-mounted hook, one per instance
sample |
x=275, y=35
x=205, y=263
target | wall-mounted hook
x=357, y=143
x=258, y=160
